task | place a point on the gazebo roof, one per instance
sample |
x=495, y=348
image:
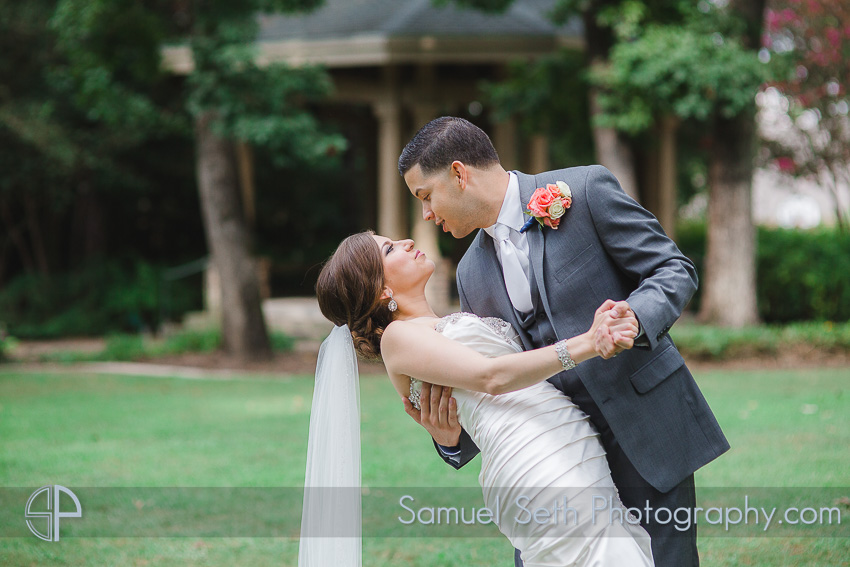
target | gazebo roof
x=356, y=33
x=412, y=18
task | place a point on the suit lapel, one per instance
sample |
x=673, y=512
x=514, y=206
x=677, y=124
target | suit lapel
x=536, y=239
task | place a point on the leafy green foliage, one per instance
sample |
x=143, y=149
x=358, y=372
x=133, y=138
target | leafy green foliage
x=7, y=343
x=97, y=154
x=264, y=106
x=716, y=343
x=548, y=96
x=493, y=6
x=800, y=275
x=106, y=297
x=804, y=275
x=678, y=70
x=88, y=122
x=112, y=62
x=127, y=348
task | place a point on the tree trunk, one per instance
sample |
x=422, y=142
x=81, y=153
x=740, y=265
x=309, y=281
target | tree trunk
x=243, y=328
x=729, y=289
x=4, y=248
x=13, y=231
x=36, y=236
x=612, y=148
x=729, y=285
x=614, y=152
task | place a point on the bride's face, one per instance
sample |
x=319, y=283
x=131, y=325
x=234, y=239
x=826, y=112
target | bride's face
x=405, y=267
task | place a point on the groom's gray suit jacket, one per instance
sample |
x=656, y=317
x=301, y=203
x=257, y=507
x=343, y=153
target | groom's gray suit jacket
x=609, y=247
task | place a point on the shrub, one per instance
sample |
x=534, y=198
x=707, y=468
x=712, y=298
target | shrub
x=7, y=343
x=714, y=343
x=104, y=298
x=801, y=275
x=125, y=347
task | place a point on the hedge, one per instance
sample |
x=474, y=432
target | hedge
x=801, y=275
x=107, y=297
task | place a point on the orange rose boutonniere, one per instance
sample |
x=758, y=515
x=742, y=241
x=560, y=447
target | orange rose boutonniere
x=548, y=204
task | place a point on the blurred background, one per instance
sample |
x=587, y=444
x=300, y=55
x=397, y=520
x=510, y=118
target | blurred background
x=177, y=163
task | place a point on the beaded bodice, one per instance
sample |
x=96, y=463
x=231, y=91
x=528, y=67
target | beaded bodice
x=500, y=327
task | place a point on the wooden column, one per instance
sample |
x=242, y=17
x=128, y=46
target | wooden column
x=538, y=158
x=392, y=208
x=505, y=142
x=667, y=173
x=426, y=234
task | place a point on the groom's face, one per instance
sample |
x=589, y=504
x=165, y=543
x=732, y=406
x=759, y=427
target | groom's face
x=444, y=198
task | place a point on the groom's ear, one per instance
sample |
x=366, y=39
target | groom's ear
x=460, y=174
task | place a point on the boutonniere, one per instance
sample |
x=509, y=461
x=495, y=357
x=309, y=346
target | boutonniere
x=548, y=204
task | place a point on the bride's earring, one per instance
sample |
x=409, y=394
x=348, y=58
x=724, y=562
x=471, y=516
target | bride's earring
x=392, y=305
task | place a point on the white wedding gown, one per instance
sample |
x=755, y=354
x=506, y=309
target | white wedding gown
x=538, y=449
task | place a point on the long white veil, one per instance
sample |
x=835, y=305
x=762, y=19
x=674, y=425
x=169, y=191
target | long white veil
x=331, y=522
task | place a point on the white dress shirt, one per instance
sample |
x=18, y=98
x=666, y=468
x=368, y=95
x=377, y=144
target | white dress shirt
x=511, y=215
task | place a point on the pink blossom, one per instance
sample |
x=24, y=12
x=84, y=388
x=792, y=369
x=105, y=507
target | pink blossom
x=786, y=164
x=834, y=37
x=815, y=7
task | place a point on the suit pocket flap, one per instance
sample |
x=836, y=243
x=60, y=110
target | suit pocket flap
x=656, y=370
x=573, y=264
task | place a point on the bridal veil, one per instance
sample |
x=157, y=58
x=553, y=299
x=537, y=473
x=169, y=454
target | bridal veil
x=331, y=523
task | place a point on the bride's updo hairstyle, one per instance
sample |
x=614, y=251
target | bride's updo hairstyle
x=349, y=292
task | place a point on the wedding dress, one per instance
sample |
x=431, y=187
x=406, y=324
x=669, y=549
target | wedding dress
x=539, y=451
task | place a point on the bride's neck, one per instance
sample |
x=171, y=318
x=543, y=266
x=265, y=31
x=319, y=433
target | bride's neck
x=413, y=307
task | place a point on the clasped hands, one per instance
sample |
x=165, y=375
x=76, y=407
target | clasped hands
x=614, y=329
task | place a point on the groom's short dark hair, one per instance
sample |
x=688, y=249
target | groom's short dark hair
x=444, y=140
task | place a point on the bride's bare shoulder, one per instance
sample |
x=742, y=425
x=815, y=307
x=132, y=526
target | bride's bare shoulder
x=399, y=334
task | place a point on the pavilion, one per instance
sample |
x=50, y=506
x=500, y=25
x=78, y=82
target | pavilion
x=408, y=62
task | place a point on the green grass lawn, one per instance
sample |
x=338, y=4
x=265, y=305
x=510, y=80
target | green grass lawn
x=787, y=429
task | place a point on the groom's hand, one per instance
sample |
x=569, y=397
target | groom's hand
x=438, y=414
x=616, y=328
x=626, y=328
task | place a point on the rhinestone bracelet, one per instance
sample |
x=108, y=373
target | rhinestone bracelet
x=564, y=355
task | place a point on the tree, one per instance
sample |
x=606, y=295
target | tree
x=227, y=97
x=551, y=97
x=705, y=69
x=729, y=285
x=656, y=62
x=231, y=100
x=604, y=21
x=61, y=157
x=805, y=111
x=673, y=73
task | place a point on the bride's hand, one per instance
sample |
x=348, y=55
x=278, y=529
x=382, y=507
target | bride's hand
x=614, y=328
x=438, y=414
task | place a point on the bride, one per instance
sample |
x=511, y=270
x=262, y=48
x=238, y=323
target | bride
x=536, y=445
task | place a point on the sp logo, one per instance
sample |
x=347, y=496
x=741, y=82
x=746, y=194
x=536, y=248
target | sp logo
x=52, y=515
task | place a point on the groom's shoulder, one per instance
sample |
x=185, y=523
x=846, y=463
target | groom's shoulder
x=578, y=174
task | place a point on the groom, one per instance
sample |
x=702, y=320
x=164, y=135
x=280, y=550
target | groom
x=653, y=421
